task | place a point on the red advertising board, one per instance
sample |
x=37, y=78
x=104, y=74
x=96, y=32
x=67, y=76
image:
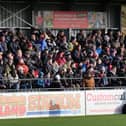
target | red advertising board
x=70, y=19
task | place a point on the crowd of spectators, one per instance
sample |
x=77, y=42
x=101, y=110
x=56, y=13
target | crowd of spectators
x=54, y=61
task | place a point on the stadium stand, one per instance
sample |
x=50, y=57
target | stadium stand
x=44, y=60
x=64, y=55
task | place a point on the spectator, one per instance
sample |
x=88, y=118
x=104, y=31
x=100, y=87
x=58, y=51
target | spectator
x=81, y=37
x=43, y=42
x=9, y=64
x=60, y=59
x=1, y=64
x=21, y=66
x=3, y=43
x=13, y=80
x=113, y=73
x=40, y=81
x=88, y=80
x=14, y=45
x=76, y=54
x=36, y=44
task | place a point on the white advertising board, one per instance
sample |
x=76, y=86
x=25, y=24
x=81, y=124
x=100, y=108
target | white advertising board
x=99, y=102
x=41, y=104
x=62, y=103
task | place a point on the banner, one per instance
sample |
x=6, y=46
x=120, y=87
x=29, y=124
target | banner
x=100, y=102
x=65, y=19
x=55, y=104
x=36, y=104
x=64, y=103
x=69, y=19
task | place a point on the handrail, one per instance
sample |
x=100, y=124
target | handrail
x=112, y=77
x=30, y=81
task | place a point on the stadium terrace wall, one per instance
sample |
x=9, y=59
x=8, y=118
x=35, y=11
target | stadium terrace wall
x=64, y=103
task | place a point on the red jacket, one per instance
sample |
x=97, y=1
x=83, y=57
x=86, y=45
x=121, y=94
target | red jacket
x=24, y=67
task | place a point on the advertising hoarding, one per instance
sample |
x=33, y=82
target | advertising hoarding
x=69, y=19
x=36, y=104
x=100, y=102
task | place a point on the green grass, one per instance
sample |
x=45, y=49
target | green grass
x=111, y=120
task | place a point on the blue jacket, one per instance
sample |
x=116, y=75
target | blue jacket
x=43, y=45
x=41, y=82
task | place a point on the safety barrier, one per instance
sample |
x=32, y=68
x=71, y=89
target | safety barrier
x=31, y=84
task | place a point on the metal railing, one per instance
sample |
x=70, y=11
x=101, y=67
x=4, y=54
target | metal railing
x=45, y=84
